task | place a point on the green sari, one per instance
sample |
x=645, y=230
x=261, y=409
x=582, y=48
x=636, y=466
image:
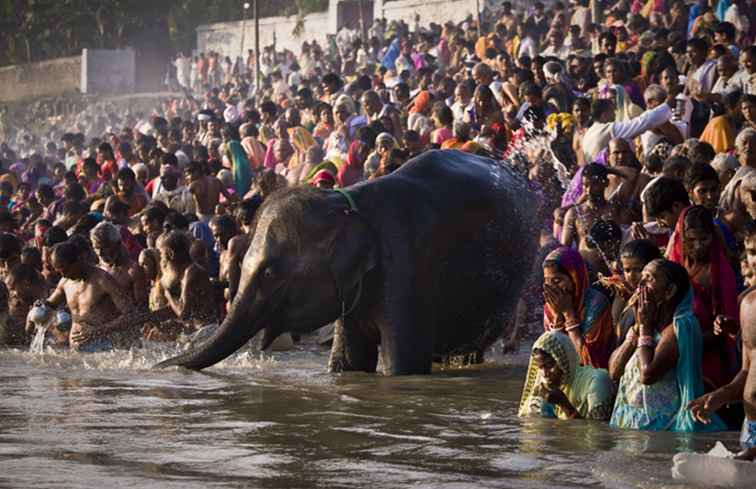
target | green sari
x=589, y=389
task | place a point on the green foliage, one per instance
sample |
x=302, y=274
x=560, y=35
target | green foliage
x=34, y=30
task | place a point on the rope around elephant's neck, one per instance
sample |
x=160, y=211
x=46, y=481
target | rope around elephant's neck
x=349, y=199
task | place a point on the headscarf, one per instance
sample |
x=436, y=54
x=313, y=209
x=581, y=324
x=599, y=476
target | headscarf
x=593, y=309
x=589, y=390
x=722, y=299
x=240, y=167
x=352, y=171
x=323, y=176
x=422, y=102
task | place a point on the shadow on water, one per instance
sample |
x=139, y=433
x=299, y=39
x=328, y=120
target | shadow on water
x=282, y=422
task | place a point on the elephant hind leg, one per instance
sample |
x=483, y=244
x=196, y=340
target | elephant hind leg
x=353, y=349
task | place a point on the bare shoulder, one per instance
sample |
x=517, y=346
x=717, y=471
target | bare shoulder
x=748, y=318
x=238, y=245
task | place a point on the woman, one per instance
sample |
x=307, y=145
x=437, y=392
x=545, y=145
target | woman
x=557, y=386
x=659, y=362
x=384, y=143
x=575, y=308
x=488, y=118
x=418, y=118
x=697, y=246
x=235, y=158
x=634, y=256
x=443, y=119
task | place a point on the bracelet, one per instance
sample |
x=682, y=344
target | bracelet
x=573, y=326
x=555, y=328
x=646, y=341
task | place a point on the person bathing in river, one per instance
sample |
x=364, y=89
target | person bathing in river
x=24, y=286
x=106, y=242
x=186, y=285
x=238, y=246
x=557, y=386
x=659, y=363
x=573, y=307
x=97, y=302
x=743, y=386
x=697, y=246
x=592, y=207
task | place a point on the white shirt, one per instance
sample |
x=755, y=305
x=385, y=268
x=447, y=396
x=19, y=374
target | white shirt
x=741, y=22
x=597, y=137
x=527, y=48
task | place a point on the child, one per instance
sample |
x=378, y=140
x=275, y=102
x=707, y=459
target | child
x=743, y=386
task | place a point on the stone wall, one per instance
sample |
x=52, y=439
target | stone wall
x=108, y=71
x=438, y=11
x=226, y=37
x=54, y=77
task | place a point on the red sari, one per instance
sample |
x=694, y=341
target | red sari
x=721, y=297
x=593, y=308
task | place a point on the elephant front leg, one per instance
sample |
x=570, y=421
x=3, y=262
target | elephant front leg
x=352, y=348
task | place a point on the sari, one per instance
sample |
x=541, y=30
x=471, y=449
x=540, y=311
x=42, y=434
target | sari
x=240, y=167
x=589, y=390
x=255, y=152
x=720, y=134
x=593, y=310
x=351, y=171
x=663, y=406
x=719, y=365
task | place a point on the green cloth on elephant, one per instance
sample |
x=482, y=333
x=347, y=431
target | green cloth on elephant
x=241, y=169
x=663, y=406
x=589, y=389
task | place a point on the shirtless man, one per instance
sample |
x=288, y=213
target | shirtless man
x=106, y=241
x=224, y=229
x=206, y=191
x=592, y=207
x=743, y=386
x=25, y=287
x=625, y=181
x=238, y=245
x=93, y=296
x=186, y=285
x=128, y=193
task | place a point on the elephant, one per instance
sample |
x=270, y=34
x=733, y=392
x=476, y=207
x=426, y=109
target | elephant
x=424, y=262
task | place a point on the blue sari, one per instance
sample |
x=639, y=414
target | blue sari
x=663, y=405
x=241, y=169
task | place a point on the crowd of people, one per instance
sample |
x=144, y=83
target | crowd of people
x=643, y=298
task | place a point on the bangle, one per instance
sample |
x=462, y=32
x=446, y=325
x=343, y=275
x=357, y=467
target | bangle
x=646, y=341
x=555, y=328
x=573, y=326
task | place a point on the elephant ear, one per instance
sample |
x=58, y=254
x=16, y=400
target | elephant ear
x=354, y=253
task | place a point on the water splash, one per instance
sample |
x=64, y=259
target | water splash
x=37, y=346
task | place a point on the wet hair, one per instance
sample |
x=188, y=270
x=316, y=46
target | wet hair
x=85, y=224
x=54, y=236
x=595, y=171
x=699, y=44
x=699, y=217
x=699, y=172
x=154, y=213
x=677, y=276
x=642, y=249
x=247, y=209
x=662, y=195
x=66, y=252
x=169, y=159
x=701, y=152
x=443, y=113
x=23, y=272
x=196, y=168
x=10, y=246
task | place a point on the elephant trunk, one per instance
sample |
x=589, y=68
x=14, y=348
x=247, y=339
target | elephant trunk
x=235, y=331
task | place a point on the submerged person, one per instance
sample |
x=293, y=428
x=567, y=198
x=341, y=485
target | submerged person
x=659, y=363
x=697, y=246
x=575, y=308
x=557, y=386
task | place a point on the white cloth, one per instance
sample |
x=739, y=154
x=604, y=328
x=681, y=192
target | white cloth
x=597, y=136
x=704, y=76
x=527, y=48
x=741, y=22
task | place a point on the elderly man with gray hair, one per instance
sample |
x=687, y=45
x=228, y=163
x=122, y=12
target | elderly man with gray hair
x=745, y=147
x=672, y=132
x=107, y=244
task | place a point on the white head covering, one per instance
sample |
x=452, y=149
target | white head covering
x=231, y=114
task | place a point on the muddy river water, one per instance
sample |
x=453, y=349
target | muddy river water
x=280, y=421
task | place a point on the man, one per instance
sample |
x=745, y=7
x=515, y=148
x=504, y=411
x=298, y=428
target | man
x=127, y=192
x=593, y=208
x=371, y=106
x=107, y=244
x=224, y=230
x=702, y=72
x=187, y=286
x=93, y=296
x=664, y=199
x=604, y=128
x=25, y=286
x=654, y=96
x=152, y=223
x=205, y=190
x=626, y=181
x=238, y=246
x=175, y=197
